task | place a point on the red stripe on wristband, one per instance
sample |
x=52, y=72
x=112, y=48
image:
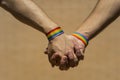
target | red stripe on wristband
x=81, y=37
x=54, y=33
x=53, y=30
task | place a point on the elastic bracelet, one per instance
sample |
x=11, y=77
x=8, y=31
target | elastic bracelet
x=81, y=37
x=54, y=33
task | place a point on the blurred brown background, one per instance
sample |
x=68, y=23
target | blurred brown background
x=22, y=47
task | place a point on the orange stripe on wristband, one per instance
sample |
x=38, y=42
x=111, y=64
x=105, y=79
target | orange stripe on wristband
x=81, y=37
x=53, y=30
x=54, y=33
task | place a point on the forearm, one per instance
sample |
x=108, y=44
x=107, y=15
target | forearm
x=104, y=13
x=30, y=10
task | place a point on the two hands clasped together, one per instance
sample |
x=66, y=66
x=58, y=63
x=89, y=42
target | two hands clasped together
x=64, y=50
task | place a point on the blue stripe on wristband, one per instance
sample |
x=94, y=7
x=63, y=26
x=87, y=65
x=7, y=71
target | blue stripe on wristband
x=81, y=37
x=55, y=35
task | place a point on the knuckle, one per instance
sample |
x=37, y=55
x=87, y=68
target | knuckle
x=69, y=50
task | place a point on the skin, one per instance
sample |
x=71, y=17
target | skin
x=71, y=45
x=104, y=13
x=59, y=52
x=65, y=51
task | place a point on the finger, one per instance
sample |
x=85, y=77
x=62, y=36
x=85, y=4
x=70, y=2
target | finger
x=82, y=52
x=50, y=61
x=76, y=61
x=64, y=63
x=55, y=59
x=72, y=59
x=77, y=50
x=46, y=51
x=78, y=53
x=50, y=54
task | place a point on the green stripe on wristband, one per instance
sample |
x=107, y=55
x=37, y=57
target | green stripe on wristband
x=81, y=37
x=54, y=33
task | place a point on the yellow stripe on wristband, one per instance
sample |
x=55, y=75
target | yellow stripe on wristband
x=81, y=37
x=54, y=33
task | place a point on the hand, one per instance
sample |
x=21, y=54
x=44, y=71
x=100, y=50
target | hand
x=79, y=47
x=61, y=52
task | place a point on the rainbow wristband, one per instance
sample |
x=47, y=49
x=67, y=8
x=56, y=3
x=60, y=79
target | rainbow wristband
x=81, y=37
x=54, y=33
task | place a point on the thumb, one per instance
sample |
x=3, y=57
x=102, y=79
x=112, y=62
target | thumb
x=46, y=51
x=82, y=54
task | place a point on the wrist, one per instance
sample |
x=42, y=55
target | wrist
x=48, y=27
x=81, y=37
x=53, y=33
x=85, y=33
